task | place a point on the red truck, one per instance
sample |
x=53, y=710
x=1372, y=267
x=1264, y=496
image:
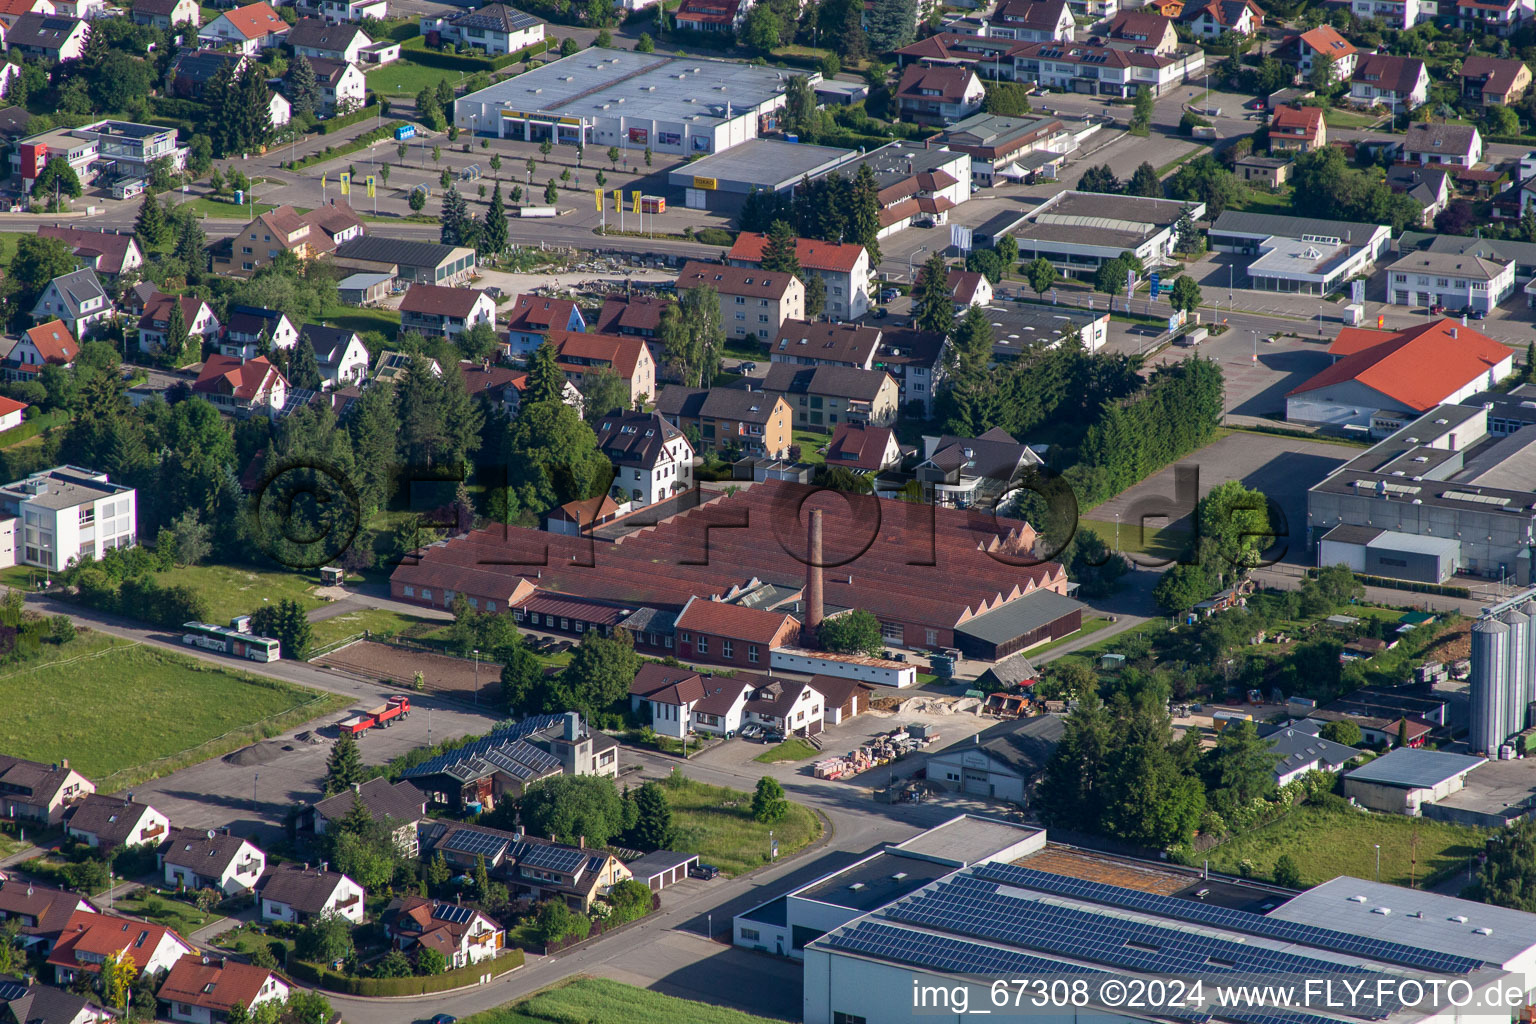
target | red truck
x=383, y=715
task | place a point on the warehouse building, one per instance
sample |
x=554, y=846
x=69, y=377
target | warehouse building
x=1406, y=779
x=1298, y=254
x=680, y=106
x=770, y=165
x=1077, y=231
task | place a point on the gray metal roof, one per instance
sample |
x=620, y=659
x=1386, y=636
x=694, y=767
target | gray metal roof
x=1240, y=223
x=400, y=251
x=1409, y=768
x=654, y=863
x=768, y=163
x=1016, y=618
x=1024, y=744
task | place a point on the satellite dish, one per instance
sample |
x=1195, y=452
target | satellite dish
x=210, y=833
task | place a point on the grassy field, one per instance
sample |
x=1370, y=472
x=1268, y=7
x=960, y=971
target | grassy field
x=1153, y=541
x=362, y=320
x=237, y=590
x=406, y=78
x=717, y=824
x=374, y=620
x=1262, y=200
x=183, y=917
x=1327, y=843
x=790, y=750
x=1337, y=118
x=8, y=240
x=123, y=713
x=207, y=206
x=809, y=442
x=600, y=1001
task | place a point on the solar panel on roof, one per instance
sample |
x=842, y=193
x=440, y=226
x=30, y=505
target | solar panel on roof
x=475, y=844
x=1223, y=917
x=11, y=990
x=452, y=913
x=560, y=859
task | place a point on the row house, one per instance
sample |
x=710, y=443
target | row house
x=842, y=266
x=532, y=317
x=628, y=358
x=1106, y=70
x=533, y=868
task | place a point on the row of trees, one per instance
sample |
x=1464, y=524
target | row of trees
x=833, y=208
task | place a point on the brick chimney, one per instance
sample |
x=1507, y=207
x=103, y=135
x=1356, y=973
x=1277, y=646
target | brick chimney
x=813, y=582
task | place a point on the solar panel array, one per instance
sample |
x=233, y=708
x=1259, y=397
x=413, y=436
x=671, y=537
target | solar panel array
x=969, y=906
x=11, y=990
x=452, y=913
x=474, y=844
x=941, y=953
x=443, y=763
x=1224, y=917
x=560, y=859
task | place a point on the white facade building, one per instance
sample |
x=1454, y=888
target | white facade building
x=1452, y=280
x=67, y=512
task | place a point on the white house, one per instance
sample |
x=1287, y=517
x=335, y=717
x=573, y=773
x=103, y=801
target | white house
x=843, y=268
x=1398, y=14
x=788, y=707
x=162, y=14
x=462, y=934
x=254, y=386
x=340, y=353
x=154, y=325
x=1209, y=20
x=1300, y=750
x=298, y=893
x=11, y=413
x=89, y=938
x=105, y=822
x=314, y=37
x=652, y=460
x=354, y=10
x=679, y=700
x=77, y=298
x=495, y=28
x=212, y=859
x=1453, y=280
x=1458, y=145
x=433, y=309
x=50, y=36
x=343, y=86
x=38, y=346
x=67, y=512
x=203, y=989
x=279, y=109
x=249, y=29
x=242, y=335
x=1399, y=83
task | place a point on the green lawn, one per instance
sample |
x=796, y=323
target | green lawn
x=172, y=913
x=1089, y=626
x=600, y=1001
x=122, y=712
x=1158, y=542
x=374, y=620
x=809, y=441
x=1262, y=200
x=716, y=823
x=8, y=240
x=1336, y=118
x=207, y=206
x=1327, y=843
x=361, y=320
x=406, y=78
x=236, y=590
x=793, y=749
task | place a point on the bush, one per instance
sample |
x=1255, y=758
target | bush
x=332, y=124
x=715, y=236
x=416, y=985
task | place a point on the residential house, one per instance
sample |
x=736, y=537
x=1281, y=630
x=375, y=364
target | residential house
x=1146, y=29
x=76, y=298
x=1460, y=145
x=354, y=10
x=462, y=934
x=12, y=413
x=248, y=324
x=1168, y=8
x=579, y=354
x=343, y=86
x=248, y=29
x=1500, y=16
x=1428, y=187
x=109, y=252
x=731, y=634
x=107, y=822
x=992, y=58
x=822, y=397
x=939, y=94
x=246, y=388
x=505, y=761
x=205, y=989
x=1322, y=45
x=1453, y=280
x=14, y=121
x=339, y=352
x=843, y=267
x=1494, y=81
x=212, y=859
x=534, y=869
x=1300, y=749
x=677, y=701
x=533, y=316
x=67, y=513
x=503, y=386
x=1398, y=14
x=1106, y=68
x=31, y=791
x=47, y=36
x=577, y=518
x=261, y=241
x=969, y=471
x=154, y=324
x=711, y=15
x=863, y=449
x=433, y=309
x=804, y=343
x=1297, y=130
x=1218, y=17
x=1031, y=21
x=334, y=223
x=413, y=262
x=652, y=460
x=315, y=37
x=636, y=315
x=163, y=14
x=192, y=70
x=730, y=419
x=969, y=288
x=298, y=893
x=1268, y=171
x=391, y=366
x=89, y=938
x=24, y=1002
x=1398, y=83
x=399, y=804
x=494, y=28
x=918, y=360
x=41, y=911
x=791, y=708
x=842, y=698
x=10, y=10
x=279, y=110
x=753, y=302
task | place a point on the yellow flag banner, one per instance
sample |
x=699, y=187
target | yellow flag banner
x=634, y=200
x=346, y=183
x=371, y=186
x=597, y=194
x=618, y=200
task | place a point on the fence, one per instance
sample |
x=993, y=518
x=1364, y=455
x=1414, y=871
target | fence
x=336, y=645
x=416, y=985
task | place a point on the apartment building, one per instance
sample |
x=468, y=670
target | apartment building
x=843, y=268
x=753, y=303
x=65, y=513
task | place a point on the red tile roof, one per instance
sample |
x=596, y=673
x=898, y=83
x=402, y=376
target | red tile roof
x=1140, y=25
x=157, y=311
x=1325, y=39
x=734, y=621
x=256, y=20
x=1418, y=367
x=620, y=351
x=638, y=313
x=751, y=282
x=857, y=446
x=1497, y=76
x=102, y=935
x=532, y=313
x=842, y=257
x=213, y=982
x=946, y=83
x=110, y=245
x=1297, y=121
x=54, y=342
x=228, y=375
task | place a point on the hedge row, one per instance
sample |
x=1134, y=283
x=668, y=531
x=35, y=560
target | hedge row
x=330, y=125
x=449, y=61
x=1412, y=586
x=416, y=985
x=363, y=141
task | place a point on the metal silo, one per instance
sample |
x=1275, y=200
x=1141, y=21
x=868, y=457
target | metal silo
x=1526, y=692
x=1490, y=684
x=1517, y=672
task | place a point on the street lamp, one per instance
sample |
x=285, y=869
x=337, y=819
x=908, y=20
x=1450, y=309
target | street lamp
x=912, y=256
x=1117, y=533
x=255, y=778
x=1378, y=861
x=477, y=677
x=1319, y=321
x=1254, y=334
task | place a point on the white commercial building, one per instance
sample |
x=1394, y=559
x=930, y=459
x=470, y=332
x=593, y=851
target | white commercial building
x=681, y=106
x=1077, y=231
x=1453, y=280
x=1298, y=254
x=62, y=514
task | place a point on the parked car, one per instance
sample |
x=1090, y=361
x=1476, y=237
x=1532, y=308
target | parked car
x=881, y=313
x=747, y=368
x=751, y=731
x=1256, y=105
x=772, y=736
x=445, y=1018
x=1436, y=309
x=704, y=871
x=888, y=294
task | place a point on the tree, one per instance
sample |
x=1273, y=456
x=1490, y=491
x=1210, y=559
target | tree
x=37, y=261
x=1181, y=588
x=287, y=622
x=429, y=109
x=1145, y=182
x=653, y=824
x=604, y=392
x=1205, y=180
x=302, y=88
x=437, y=871
x=393, y=964
x=521, y=673
x=761, y=29
x=1071, y=791
x=429, y=961
x=779, y=249
x=892, y=24
x=551, y=193
x=933, y=305
x=1041, y=274
x=1321, y=77
x=568, y=808
x=1508, y=877
x=324, y=940
x=456, y=226
x=644, y=44
x=1098, y=179
x=598, y=675
x=1185, y=293
x=799, y=105
x=187, y=539
x=417, y=200
x=1141, y=116
x=493, y=231
x=344, y=768
x=864, y=210
x=117, y=974
x=853, y=632
x=1007, y=248
x=815, y=294
x=1287, y=874
x=556, y=921
x=175, y=330
x=768, y=802
x=1110, y=277
x=303, y=366
x=568, y=46
x=59, y=179
x=1501, y=120
x=691, y=336
x=1242, y=764
x=1188, y=237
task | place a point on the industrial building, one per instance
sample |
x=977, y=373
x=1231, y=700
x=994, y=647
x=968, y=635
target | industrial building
x=1077, y=231
x=1503, y=673
x=1405, y=780
x=1444, y=491
x=918, y=184
x=680, y=106
x=768, y=165
x=1019, y=326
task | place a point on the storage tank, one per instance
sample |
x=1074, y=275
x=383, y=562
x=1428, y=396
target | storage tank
x=1527, y=692
x=1490, y=683
x=1518, y=660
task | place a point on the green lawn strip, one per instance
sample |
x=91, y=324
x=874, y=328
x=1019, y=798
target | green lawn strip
x=1336, y=118
x=238, y=590
x=124, y=712
x=173, y=913
x=405, y=77
x=34, y=426
x=716, y=823
x=1157, y=542
x=362, y=320
x=1263, y=200
x=208, y=206
x=1328, y=843
x=790, y=750
x=1089, y=626
x=600, y=1001
x=8, y=240
x=371, y=620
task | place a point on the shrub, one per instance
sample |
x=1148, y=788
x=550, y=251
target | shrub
x=715, y=236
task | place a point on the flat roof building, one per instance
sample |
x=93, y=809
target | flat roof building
x=1298, y=254
x=770, y=165
x=681, y=106
x=1020, y=326
x=1077, y=231
x=1404, y=780
x=917, y=183
x=64, y=513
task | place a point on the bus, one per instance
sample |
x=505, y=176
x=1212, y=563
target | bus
x=235, y=642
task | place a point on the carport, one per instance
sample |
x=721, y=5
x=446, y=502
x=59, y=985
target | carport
x=662, y=868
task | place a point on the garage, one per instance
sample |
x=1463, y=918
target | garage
x=662, y=868
x=1000, y=763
